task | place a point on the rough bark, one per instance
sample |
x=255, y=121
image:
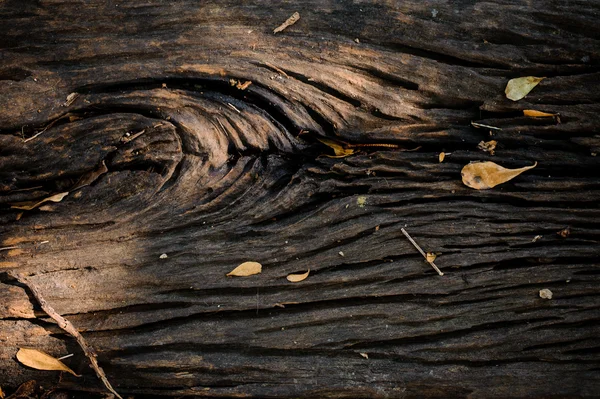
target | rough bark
x=213, y=175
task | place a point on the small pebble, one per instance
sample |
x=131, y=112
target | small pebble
x=546, y=293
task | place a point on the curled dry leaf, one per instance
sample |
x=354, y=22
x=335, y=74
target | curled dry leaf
x=41, y=361
x=485, y=175
x=518, y=88
x=296, y=278
x=546, y=293
x=27, y=206
x=246, y=269
x=337, y=147
x=430, y=257
x=488, y=146
x=537, y=114
x=288, y=22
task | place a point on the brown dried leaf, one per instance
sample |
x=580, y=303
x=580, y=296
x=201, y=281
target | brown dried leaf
x=537, y=114
x=337, y=147
x=488, y=146
x=485, y=175
x=41, y=361
x=296, y=278
x=288, y=22
x=246, y=269
x=27, y=206
x=564, y=233
x=442, y=156
x=91, y=176
x=518, y=88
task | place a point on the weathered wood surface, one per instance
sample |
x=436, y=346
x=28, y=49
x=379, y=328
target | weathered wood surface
x=221, y=175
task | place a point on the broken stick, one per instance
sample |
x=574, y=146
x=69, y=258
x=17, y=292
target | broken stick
x=69, y=328
x=413, y=242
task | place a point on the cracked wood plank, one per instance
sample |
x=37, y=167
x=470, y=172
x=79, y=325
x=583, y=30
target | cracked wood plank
x=222, y=175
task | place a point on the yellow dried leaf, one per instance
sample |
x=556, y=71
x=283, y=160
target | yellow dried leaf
x=1, y=393
x=536, y=114
x=484, y=175
x=430, y=257
x=518, y=88
x=27, y=206
x=41, y=361
x=296, y=278
x=442, y=156
x=246, y=269
x=337, y=147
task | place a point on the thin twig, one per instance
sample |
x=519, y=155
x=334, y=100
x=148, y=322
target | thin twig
x=276, y=69
x=479, y=125
x=422, y=252
x=7, y=248
x=69, y=328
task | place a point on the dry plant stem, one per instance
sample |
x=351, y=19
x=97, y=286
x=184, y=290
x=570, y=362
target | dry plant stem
x=69, y=328
x=422, y=252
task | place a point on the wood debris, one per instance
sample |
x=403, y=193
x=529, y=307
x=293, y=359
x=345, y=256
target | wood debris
x=425, y=255
x=564, y=233
x=27, y=206
x=546, y=293
x=482, y=126
x=488, y=146
x=71, y=99
x=288, y=22
x=239, y=85
x=69, y=328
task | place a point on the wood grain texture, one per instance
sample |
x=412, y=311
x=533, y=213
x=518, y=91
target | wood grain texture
x=213, y=176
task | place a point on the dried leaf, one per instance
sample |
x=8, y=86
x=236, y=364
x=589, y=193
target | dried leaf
x=564, y=233
x=537, y=114
x=518, y=88
x=337, y=147
x=41, y=361
x=246, y=269
x=484, y=175
x=546, y=293
x=25, y=390
x=288, y=22
x=442, y=156
x=488, y=146
x=91, y=176
x=296, y=278
x=1, y=393
x=71, y=99
x=536, y=238
x=430, y=257
x=27, y=206
x=365, y=355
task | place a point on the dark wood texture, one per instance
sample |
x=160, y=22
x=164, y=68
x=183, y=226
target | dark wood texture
x=220, y=175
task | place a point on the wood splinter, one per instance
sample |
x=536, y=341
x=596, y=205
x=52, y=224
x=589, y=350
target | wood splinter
x=69, y=328
x=413, y=242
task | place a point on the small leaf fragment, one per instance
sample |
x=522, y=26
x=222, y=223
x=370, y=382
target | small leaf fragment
x=246, y=269
x=546, y=293
x=518, y=88
x=485, y=175
x=288, y=22
x=442, y=156
x=337, y=147
x=430, y=257
x=27, y=206
x=365, y=355
x=41, y=361
x=163, y=256
x=564, y=233
x=1, y=393
x=537, y=114
x=296, y=278
x=488, y=146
